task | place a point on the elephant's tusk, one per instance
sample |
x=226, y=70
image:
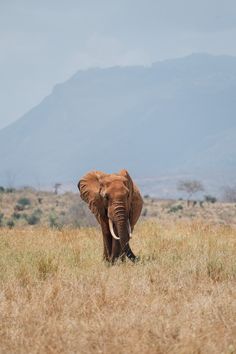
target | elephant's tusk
x=112, y=230
x=129, y=227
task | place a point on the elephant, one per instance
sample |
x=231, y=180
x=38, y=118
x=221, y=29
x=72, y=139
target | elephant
x=116, y=202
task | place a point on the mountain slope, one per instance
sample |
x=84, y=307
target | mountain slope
x=175, y=116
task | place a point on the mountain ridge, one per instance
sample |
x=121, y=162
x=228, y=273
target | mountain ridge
x=160, y=118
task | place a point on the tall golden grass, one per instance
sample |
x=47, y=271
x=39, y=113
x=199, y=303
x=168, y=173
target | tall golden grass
x=57, y=296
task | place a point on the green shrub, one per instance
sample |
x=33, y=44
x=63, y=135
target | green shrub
x=1, y=218
x=24, y=202
x=34, y=218
x=2, y=189
x=53, y=220
x=16, y=216
x=175, y=208
x=10, y=223
x=144, y=212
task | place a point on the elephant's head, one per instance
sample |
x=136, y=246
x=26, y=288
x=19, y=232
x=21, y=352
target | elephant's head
x=112, y=199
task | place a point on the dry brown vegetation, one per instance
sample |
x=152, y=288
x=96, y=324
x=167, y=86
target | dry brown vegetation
x=68, y=209
x=57, y=296
x=213, y=213
x=49, y=208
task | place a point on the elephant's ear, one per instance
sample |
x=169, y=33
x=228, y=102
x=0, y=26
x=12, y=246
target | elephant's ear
x=90, y=186
x=136, y=202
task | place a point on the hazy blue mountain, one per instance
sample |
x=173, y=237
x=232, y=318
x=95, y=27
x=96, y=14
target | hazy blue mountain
x=175, y=117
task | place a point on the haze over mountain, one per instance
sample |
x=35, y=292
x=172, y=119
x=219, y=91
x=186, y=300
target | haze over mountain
x=174, y=118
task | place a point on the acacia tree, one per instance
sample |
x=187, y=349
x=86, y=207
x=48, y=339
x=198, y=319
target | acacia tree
x=229, y=194
x=190, y=187
x=56, y=187
x=10, y=179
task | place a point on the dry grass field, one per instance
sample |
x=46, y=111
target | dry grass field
x=57, y=296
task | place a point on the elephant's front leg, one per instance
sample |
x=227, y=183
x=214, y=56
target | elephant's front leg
x=116, y=250
x=107, y=242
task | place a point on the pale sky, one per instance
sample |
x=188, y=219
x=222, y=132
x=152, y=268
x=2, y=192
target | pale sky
x=45, y=42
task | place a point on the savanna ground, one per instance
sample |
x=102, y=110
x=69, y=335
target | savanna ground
x=57, y=296
x=31, y=207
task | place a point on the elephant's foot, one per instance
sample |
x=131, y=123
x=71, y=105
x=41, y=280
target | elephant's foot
x=117, y=258
x=106, y=257
x=122, y=258
x=129, y=253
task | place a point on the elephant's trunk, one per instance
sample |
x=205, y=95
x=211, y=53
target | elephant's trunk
x=123, y=232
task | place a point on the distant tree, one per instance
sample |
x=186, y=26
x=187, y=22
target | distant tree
x=210, y=199
x=56, y=187
x=190, y=187
x=229, y=194
x=10, y=190
x=10, y=178
x=1, y=194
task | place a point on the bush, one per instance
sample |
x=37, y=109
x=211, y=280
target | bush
x=210, y=199
x=1, y=218
x=24, y=202
x=16, y=216
x=24, y=216
x=144, y=212
x=34, y=218
x=40, y=200
x=78, y=215
x=10, y=223
x=2, y=189
x=175, y=208
x=10, y=190
x=19, y=207
x=229, y=194
x=53, y=220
